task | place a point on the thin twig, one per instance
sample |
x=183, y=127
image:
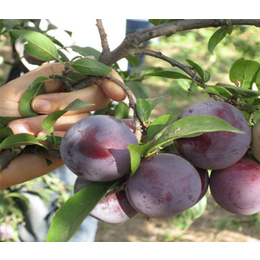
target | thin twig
x=132, y=104
x=189, y=70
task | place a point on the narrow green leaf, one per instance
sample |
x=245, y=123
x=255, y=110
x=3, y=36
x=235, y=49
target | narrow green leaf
x=90, y=67
x=49, y=121
x=216, y=38
x=218, y=90
x=238, y=91
x=136, y=154
x=35, y=89
x=190, y=127
x=17, y=140
x=167, y=73
x=38, y=45
x=207, y=76
x=72, y=213
x=197, y=68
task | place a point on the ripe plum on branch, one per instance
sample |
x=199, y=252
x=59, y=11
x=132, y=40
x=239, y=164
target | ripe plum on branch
x=215, y=150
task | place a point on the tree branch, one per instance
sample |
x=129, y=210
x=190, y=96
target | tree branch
x=132, y=41
x=103, y=36
x=129, y=46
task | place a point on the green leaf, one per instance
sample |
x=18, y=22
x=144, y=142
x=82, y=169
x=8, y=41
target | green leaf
x=72, y=213
x=155, y=101
x=121, y=110
x=216, y=38
x=49, y=121
x=75, y=77
x=38, y=45
x=166, y=73
x=197, y=68
x=86, y=51
x=5, y=120
x=5, y=132
x=136, y=154
x=139, y=89
x=188, y=216
x=257, y=79
x=218, y=90
x=190, y=127
x=158, y=125
x=133, y=60
x=143, y=109
x=17, y=140
x=244, y=71
x=237, y=91
x=90, y=67
x=35, y=89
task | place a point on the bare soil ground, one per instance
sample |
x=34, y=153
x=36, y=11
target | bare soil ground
x=203, y=229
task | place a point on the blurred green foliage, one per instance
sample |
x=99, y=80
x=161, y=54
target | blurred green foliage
x=243, y=42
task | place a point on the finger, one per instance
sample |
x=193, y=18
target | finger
x=33, y=125
x=111, y=89
x=19, y=85
x=48, y=103
x=12, y=92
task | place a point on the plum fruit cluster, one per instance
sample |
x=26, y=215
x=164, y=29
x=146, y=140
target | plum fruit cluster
x=166, y=184
x=235, y=179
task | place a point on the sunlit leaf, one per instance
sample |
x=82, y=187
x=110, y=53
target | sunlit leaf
x=38, y=45
x=244, y=71
x=91, y=67
x=143, y=109
x=216, y=38
x=190, y=127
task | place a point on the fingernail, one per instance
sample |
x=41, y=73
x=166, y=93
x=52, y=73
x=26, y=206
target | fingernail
x=41, y=106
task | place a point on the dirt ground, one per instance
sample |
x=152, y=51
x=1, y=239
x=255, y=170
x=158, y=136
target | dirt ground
x=203, y=229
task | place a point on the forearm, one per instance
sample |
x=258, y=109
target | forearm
x=26, y=167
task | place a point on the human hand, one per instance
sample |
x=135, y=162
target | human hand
x=23, y=167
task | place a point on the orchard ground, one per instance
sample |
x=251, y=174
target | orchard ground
x=204, y=229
